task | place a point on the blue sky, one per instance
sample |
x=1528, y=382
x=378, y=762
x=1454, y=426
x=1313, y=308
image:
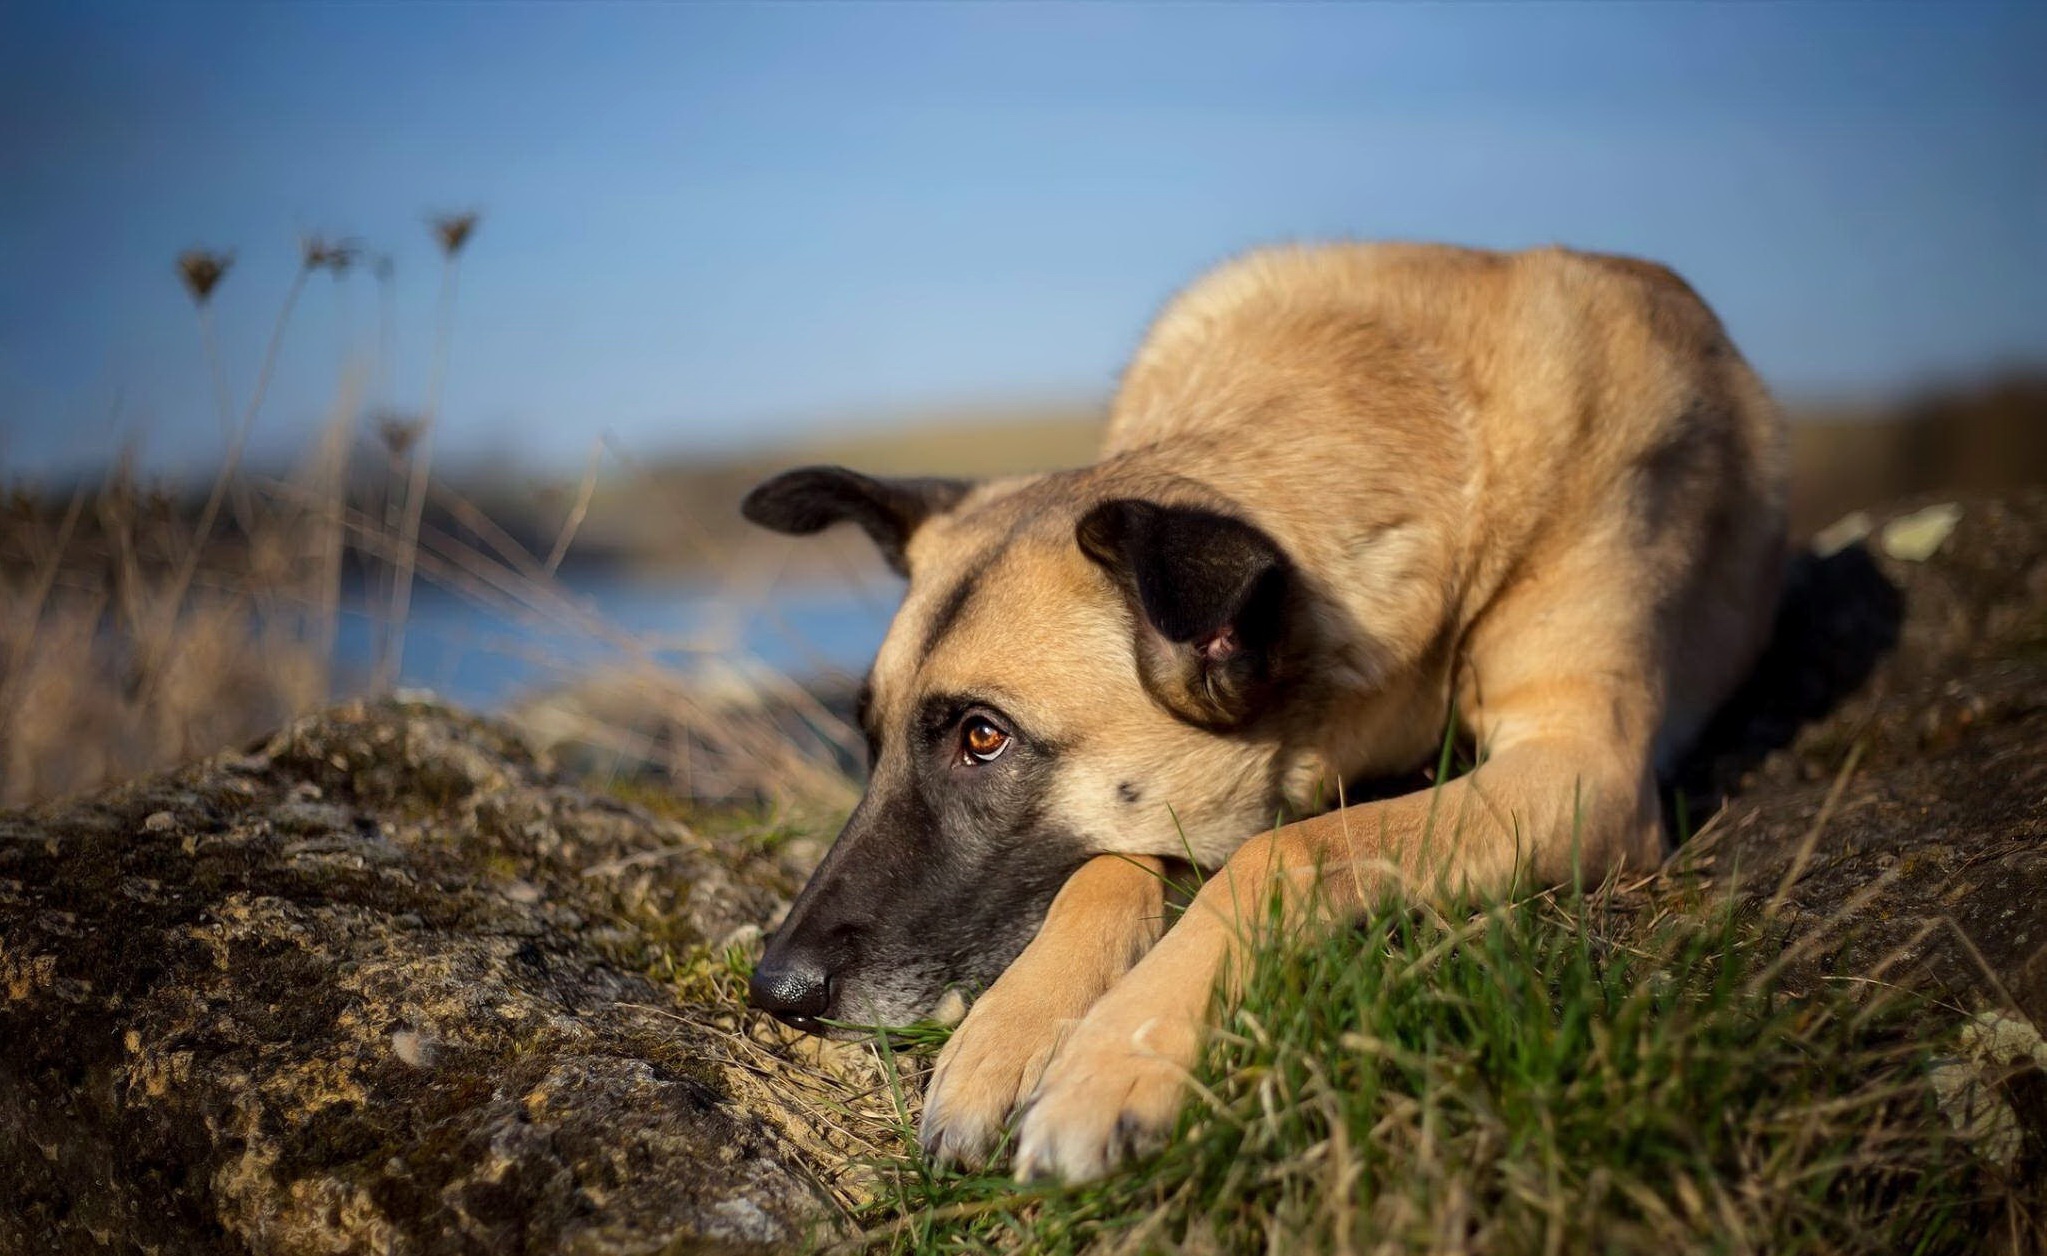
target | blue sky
x=716, y=226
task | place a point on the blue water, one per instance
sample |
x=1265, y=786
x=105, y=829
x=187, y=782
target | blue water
x=484, y=656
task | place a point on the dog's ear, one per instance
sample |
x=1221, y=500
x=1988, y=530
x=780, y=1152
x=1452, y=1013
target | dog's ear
x=1213, y=592
x=811, y=499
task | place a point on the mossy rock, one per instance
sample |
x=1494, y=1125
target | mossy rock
x=375, y=986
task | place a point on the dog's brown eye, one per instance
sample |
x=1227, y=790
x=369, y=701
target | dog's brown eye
x=982, y=742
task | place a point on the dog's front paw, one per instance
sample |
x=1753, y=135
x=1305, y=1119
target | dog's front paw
x=992, y=1060
x=1110, y=1093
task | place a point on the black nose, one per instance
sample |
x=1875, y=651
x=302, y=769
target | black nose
x=793, y=989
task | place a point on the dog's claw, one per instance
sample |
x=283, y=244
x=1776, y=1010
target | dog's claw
x=988, y=1065
x=950, y=1136
x=1101, y=1105
x=956, y=1145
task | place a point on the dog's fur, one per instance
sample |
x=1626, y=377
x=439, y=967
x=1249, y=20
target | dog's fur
x=1345, y=491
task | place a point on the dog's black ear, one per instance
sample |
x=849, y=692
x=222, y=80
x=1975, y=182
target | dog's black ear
x=811, y=499
x=1212, y=589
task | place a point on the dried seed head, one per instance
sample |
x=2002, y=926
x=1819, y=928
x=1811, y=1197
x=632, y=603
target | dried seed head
x=331, y=255
x=453, y=230
x=397, y=431
x=202, y=269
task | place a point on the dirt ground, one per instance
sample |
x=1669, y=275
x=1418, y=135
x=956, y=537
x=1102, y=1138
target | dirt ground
x=1893, y=748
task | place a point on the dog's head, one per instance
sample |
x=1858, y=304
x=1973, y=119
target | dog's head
x=1079, y=666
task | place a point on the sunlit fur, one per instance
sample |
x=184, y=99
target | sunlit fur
x=1413, y=424
x=1541, y=486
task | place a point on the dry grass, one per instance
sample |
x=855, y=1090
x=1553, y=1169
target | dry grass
x=137, y=632
x=120, y=652
x=114, y=660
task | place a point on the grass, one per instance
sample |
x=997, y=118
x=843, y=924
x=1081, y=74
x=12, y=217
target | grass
x=1613, y=1074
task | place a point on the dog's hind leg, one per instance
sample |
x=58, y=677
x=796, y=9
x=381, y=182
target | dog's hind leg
x=1106, y=916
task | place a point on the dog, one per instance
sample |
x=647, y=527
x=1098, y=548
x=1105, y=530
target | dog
x=1348, y=494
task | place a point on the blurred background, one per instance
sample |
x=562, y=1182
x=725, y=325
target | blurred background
x=350, y=347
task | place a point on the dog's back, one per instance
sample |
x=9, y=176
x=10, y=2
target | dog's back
x=1405, y=408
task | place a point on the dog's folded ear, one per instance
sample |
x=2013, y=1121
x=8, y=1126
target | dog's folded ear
x=811, y=499
x=1212, y=591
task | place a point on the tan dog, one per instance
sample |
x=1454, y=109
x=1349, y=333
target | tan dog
x=1345, y=491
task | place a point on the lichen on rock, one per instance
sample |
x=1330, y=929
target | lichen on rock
x=377, y=985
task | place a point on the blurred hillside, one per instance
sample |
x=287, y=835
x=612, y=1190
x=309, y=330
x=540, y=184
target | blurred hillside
x=668, y=516
x=1982, y=439
x=634, y=517
x=673, y=518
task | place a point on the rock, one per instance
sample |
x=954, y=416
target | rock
x=377, y=987
x=1988, y=1046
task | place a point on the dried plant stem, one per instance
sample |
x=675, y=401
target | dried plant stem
x=175, y=596
x=332, y=533
x=125, y=572
x=567, y=536
x=688, y=526
x=209, y=341
x=223, y=400
x=31, y=609
x=393, y=660
x=130, y=639
x=387, y=331
x=513, y=585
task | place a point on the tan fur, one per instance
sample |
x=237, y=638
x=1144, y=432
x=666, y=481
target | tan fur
x=1543, y=485
x=1105, y=918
